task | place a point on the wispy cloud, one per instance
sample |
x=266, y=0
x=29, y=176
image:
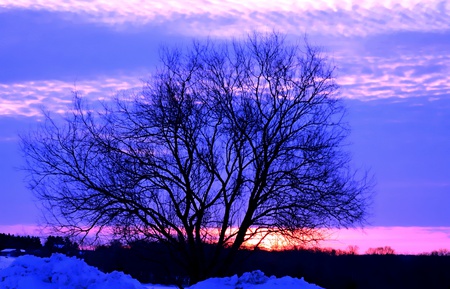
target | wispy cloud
x=29, y=98
x=216, y=17
x=366, y=77
x=382, y=68
x=417, y=71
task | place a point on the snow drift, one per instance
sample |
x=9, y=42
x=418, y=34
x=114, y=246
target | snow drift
x=62, y=272
x=5, y=261
x=256, y=280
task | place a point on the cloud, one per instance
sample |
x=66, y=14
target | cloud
x=385, y=81
x=221, y=18
x=363, y=74
x=399, y=65
x=30, y=97
x=43, y=66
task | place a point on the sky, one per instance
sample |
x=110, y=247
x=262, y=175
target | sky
x=392, y=61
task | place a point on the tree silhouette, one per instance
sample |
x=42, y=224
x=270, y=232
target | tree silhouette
x=386, y=250
x=226, y=142
x=61, y=245
x=8, y=241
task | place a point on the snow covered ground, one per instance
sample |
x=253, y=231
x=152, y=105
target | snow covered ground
x=254, y=280
x=61, y=272
x=5, y=261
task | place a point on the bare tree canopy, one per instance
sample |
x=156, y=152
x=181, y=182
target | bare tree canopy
x=226, y=142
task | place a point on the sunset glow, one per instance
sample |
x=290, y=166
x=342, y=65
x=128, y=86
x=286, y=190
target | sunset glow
x=404, y=240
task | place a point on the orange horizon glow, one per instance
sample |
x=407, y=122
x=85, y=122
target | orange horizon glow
x=404, y=240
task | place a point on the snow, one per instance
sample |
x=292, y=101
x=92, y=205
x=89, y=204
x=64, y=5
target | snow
x=151, y=286
x=11, y=250
x=5, y=261
x=62, y=272
x=254, y=280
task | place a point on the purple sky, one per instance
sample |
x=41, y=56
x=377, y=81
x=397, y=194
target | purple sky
x=392, y=59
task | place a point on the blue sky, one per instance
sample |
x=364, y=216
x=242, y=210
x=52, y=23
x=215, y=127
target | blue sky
x=392, y=62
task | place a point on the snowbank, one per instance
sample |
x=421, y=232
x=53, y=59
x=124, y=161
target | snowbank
x=5, y=261
x=61, y=272
x=254, y=280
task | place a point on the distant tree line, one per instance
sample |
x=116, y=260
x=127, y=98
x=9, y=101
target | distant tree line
x=33, y=245
x=8, y=241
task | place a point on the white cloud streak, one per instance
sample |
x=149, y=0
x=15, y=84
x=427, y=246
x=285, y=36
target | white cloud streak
x=30, y=97
x=362, y=77
x=224, y=18
x=405, y=75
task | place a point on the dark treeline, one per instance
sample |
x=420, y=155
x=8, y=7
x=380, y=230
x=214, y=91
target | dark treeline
x=33, y=245
x=151, y=263
x=8, y=241
x=355, y=271
x=58, y=244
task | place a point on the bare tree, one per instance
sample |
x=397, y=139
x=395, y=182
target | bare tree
x=227, y=142
x=386, y=250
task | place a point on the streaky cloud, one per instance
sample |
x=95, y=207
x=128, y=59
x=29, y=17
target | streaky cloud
x=31, y=97
x=394, y=66
x=228, y=17
x=368, y=76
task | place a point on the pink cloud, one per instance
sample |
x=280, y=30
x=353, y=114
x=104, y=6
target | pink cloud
x=409, y=74
x=220, y=18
